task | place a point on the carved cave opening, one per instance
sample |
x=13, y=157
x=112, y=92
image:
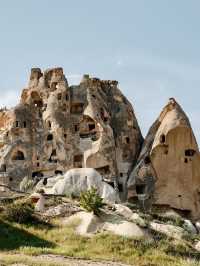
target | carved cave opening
x=18, y=155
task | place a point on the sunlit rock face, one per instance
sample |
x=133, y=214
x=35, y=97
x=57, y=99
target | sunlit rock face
x=57, y=127
x=168, y=169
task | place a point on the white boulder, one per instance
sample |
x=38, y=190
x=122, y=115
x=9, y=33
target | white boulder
x=78, y=180
x=168, y=229
x=125, y=228
x=189, y=227
x=88, y=223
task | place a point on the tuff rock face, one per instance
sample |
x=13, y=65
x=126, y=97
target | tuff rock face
x=167, y=171
x=57, y=127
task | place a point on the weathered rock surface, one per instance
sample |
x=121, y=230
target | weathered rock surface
x=79, y=180
x=167, y=172
x=168, y=229
x=125, y=228
x=88, y=223
x=57, y=127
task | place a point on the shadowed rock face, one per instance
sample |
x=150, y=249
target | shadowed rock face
x=57, y=127
x=168, y=166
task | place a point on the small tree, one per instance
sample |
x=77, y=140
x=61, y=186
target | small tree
x=91, y=201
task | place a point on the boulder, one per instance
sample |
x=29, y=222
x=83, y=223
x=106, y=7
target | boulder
x=189, y=227
x=123, y=211
x=88, y=223
x=125, y=228
x=197, y=246
x=135, y=217
x=197, y=224
x=78, y=180
x=168, y=229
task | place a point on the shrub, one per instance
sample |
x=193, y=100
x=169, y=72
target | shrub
x=91, y=201
x=19, y=212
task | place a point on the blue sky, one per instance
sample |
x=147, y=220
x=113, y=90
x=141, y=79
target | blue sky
x=150, y=47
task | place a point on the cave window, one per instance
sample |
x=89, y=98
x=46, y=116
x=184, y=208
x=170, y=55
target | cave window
x=189, y=152
x=37, y=174
x=121, y=174
x=59, y=96
x=66, y=97
x=38, y=164
x=58, y=172
x=53, y=152
x=37, y=158
x=140, y=189
x=3, y=168
x=93, y=96
x=53, y=86
x=10, y=179
x=91, y=126
x=162, y=138
x=45, y=181
x=147, y=160
x=24, y=124
x=65, y=135
x=17, y=124
x=38, y=103
x=77, y=108
x=78, y=160
x=186, y=160
x=19, y=155
x=120, y=187
x=75, y=128
x=49, y=137
x=127, y=140
x=49, y=124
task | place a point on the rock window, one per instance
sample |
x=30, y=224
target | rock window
x=77, y=108
x=162, y=138
x=19, y=155
x=38, y=103
x=49, y=137
x=91, y=126
x=120, y=187
x=121, y=174
x=65, y=135
x=59, y=96
x=147, y=160
x=49, y=124
x=37, y=174
x=10, y=179
x=140, y=189
x=3, y=168
x=58, y=172
x=24, y=124
x=17, y=124
x=75, y=128
x=53, y=86
x=38, y=164
x=127, y=140
x=78, y=160
x=186, y=160
x=66, y=97
x=189, y=152
x=53, y=152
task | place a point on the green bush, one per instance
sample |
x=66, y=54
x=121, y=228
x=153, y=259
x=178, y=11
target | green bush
x=19, y=212
x=91, y=201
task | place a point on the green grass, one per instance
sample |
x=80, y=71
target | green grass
x=36, y=239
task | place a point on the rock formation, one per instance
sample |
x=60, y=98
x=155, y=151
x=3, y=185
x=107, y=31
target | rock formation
x=167, y=170
x=57, y=127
